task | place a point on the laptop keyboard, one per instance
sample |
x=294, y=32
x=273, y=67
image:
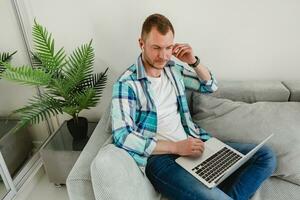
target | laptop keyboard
x=215, y=165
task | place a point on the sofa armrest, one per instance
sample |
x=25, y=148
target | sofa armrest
x=294, y=88
x=115, y=175
x=79, y=180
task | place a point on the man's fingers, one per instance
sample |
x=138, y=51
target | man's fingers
x=180, y=44
x=196, y=153
x=177, y=47
x=199, y=147
x=196, y=140
x=183, y=51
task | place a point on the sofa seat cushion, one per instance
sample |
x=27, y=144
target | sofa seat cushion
x=250, y=123
x=294, y=88
x=111, y=181
x=115, y=176
x=252, y=91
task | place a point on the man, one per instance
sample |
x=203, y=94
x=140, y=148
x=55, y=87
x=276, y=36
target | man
x=152, y=122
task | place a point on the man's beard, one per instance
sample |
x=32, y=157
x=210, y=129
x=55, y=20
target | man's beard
x=145, y=59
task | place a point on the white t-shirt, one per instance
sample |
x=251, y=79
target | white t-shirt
x=169, y=126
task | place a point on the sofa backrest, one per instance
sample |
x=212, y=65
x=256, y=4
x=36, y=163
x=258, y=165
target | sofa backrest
x=253, y=91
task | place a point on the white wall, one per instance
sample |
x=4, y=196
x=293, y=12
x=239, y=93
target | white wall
x=237, y=40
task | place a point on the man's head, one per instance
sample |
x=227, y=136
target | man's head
x=157, y=40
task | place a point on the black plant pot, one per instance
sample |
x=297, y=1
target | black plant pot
x=78, y=129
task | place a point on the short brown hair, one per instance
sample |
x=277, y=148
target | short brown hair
x=160, y=22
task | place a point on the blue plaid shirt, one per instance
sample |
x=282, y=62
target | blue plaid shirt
x=134, y=116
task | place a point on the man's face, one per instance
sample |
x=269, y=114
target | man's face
x=157, y=48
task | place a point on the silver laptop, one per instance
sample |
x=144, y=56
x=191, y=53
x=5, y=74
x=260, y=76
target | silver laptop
x=217, y=162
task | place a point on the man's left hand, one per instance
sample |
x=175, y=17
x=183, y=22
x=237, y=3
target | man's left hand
x=184, y=52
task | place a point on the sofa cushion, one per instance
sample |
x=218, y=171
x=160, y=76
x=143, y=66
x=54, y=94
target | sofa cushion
x=115, y=175
x=252, y=91
x=278, y=189
x=294, y=88
x=250, y=123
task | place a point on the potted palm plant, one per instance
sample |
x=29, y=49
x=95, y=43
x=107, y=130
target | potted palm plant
x=68, y=82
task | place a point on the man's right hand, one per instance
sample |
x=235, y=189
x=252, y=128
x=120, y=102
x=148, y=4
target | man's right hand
x=189, y=147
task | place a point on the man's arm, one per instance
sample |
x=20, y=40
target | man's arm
x=202, y=80
x=188, y=147
x=123, y=115
x=202, y=72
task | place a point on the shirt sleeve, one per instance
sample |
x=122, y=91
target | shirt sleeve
x=192, y=81
x=123, y=114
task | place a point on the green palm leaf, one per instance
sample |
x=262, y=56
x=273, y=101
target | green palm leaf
x=5, y=57
x=99, y=82
x=26, y=75
x=80, y=65
x=39, y=108
x=44, y=46
x=96, y=81
x=85, y=99
x=60, y=88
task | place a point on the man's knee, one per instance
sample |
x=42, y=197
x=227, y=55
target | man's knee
x=268, y=157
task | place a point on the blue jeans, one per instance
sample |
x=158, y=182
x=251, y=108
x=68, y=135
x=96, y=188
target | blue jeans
x=176, y=183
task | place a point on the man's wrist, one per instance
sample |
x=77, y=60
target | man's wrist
x=196, y=63
x=173, y=148
x=193, y=61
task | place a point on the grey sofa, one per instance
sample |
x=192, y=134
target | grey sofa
x=243, y=111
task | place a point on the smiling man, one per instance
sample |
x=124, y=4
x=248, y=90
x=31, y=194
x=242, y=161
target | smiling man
x=152, y=122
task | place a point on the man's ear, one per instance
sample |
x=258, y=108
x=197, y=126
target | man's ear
x=141, y=43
